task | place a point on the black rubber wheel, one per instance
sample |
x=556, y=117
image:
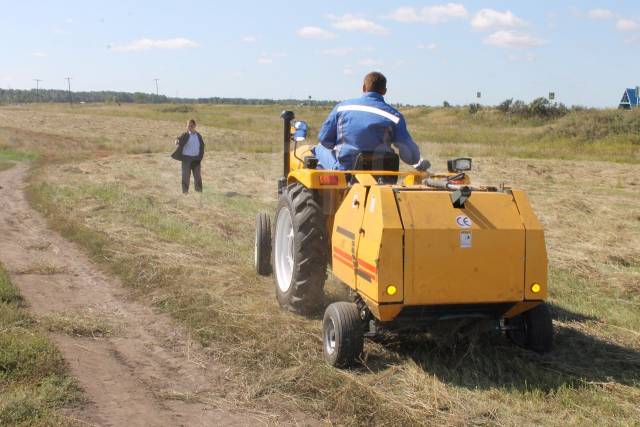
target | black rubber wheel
x=299, y=251
x=262, y=248
x=532, y=329
x=342, y=334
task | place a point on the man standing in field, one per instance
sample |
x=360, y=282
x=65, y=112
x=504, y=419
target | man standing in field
x=190, y=151
x=369, y=124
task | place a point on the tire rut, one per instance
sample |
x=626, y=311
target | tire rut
x=150, y=372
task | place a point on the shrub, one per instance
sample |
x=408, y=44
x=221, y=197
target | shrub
x=474, y=108
x=505, y=105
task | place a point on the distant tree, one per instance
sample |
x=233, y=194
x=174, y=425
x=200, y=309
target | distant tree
x=446, y=104
x=505, y=105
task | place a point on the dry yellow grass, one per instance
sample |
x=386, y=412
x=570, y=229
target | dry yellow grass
x=192, y=256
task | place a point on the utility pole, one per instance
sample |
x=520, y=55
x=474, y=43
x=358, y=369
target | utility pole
x=37, y=88
x=68, y=79
x=156, y=80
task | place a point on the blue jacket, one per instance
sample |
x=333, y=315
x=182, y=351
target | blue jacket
x=367, y=124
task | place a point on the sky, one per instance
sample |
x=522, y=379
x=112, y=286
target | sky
x=587, y=52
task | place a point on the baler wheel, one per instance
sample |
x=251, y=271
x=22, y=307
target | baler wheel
x=342, y=334
x=532, y=329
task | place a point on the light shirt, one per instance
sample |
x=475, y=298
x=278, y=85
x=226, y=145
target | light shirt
x=192, y=147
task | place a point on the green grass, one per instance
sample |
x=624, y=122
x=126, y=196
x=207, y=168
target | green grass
x=34, y=386
x=106, y=128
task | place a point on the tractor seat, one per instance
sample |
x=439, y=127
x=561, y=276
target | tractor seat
x=378, y=161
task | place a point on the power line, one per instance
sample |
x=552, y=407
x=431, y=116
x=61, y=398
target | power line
x=68, y=79
x=37, y=88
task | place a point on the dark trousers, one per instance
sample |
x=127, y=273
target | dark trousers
x=190, y=164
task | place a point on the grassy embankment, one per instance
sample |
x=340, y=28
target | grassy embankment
x=192, y=256
x=34, y=386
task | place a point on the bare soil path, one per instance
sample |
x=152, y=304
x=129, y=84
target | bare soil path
x=148, y=372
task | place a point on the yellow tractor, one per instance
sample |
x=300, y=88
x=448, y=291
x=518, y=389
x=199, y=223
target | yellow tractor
x=413, y=248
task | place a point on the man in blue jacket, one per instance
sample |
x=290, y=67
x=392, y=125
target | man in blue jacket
x=365, y=124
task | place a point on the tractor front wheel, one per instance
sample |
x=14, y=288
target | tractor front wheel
x=262, y=247
x=299, y=250
x=532, y=329
x=342, y=334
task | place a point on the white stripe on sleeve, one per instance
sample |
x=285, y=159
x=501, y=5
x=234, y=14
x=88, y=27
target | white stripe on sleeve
x=368, y=109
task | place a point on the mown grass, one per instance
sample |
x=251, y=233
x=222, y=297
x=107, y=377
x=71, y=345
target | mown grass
x=34, y=385
x=192, y=256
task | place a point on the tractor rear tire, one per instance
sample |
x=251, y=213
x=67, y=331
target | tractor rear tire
x=533, y=329
x=342, y=334
x=262, y=248
x=299, y=251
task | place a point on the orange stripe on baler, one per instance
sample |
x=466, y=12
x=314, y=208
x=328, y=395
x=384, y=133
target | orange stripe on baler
x=342, y=260
x=367, y=266
x=341, y=252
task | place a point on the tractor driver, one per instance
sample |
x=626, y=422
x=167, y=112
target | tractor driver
x=369, y=124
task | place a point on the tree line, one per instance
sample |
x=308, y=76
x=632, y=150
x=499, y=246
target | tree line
x=20, y=96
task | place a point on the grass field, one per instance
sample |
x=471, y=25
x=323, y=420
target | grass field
x=105, y=180
x=34, y=386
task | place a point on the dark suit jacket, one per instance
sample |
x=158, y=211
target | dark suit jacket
x=182, y=141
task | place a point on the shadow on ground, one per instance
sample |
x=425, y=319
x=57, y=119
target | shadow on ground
x=466, y=355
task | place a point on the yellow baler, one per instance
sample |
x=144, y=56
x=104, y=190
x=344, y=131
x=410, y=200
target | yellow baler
x=413, y=249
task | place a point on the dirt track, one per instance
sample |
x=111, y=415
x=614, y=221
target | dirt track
x=149, y=372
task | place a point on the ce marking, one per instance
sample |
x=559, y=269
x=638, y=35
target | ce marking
x=464, y=221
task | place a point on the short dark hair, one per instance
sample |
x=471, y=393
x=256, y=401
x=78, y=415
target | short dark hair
x=192, y=122
x=375, y=82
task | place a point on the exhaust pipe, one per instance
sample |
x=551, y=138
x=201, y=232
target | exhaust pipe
x=287, y=117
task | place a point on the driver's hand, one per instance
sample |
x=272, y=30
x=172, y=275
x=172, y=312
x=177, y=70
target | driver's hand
x=423, y=165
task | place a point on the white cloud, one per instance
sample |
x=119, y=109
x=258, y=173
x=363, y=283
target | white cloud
x=269, y=58
x=39, y=55
x=488, y=19
x=315, y=33
x=249, y=39
x=351, y=22
x=627, y=25
x=369, y=62
x=147, y=44
x=338, y=51
x=431, y=14
x=512, y=39
x=348, y=71
x=429, y=46
x=600, y=14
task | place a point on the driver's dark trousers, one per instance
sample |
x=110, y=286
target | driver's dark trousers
x=191, y=164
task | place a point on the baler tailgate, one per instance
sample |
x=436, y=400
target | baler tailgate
x=461, y=256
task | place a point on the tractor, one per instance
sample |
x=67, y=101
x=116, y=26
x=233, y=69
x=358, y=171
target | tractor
x=412, y=247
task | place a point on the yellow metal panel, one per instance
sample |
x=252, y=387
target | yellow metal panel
x=450, y=260
x=536, y=252
x=380, y=253
x=310, y=178
x=346, y=231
